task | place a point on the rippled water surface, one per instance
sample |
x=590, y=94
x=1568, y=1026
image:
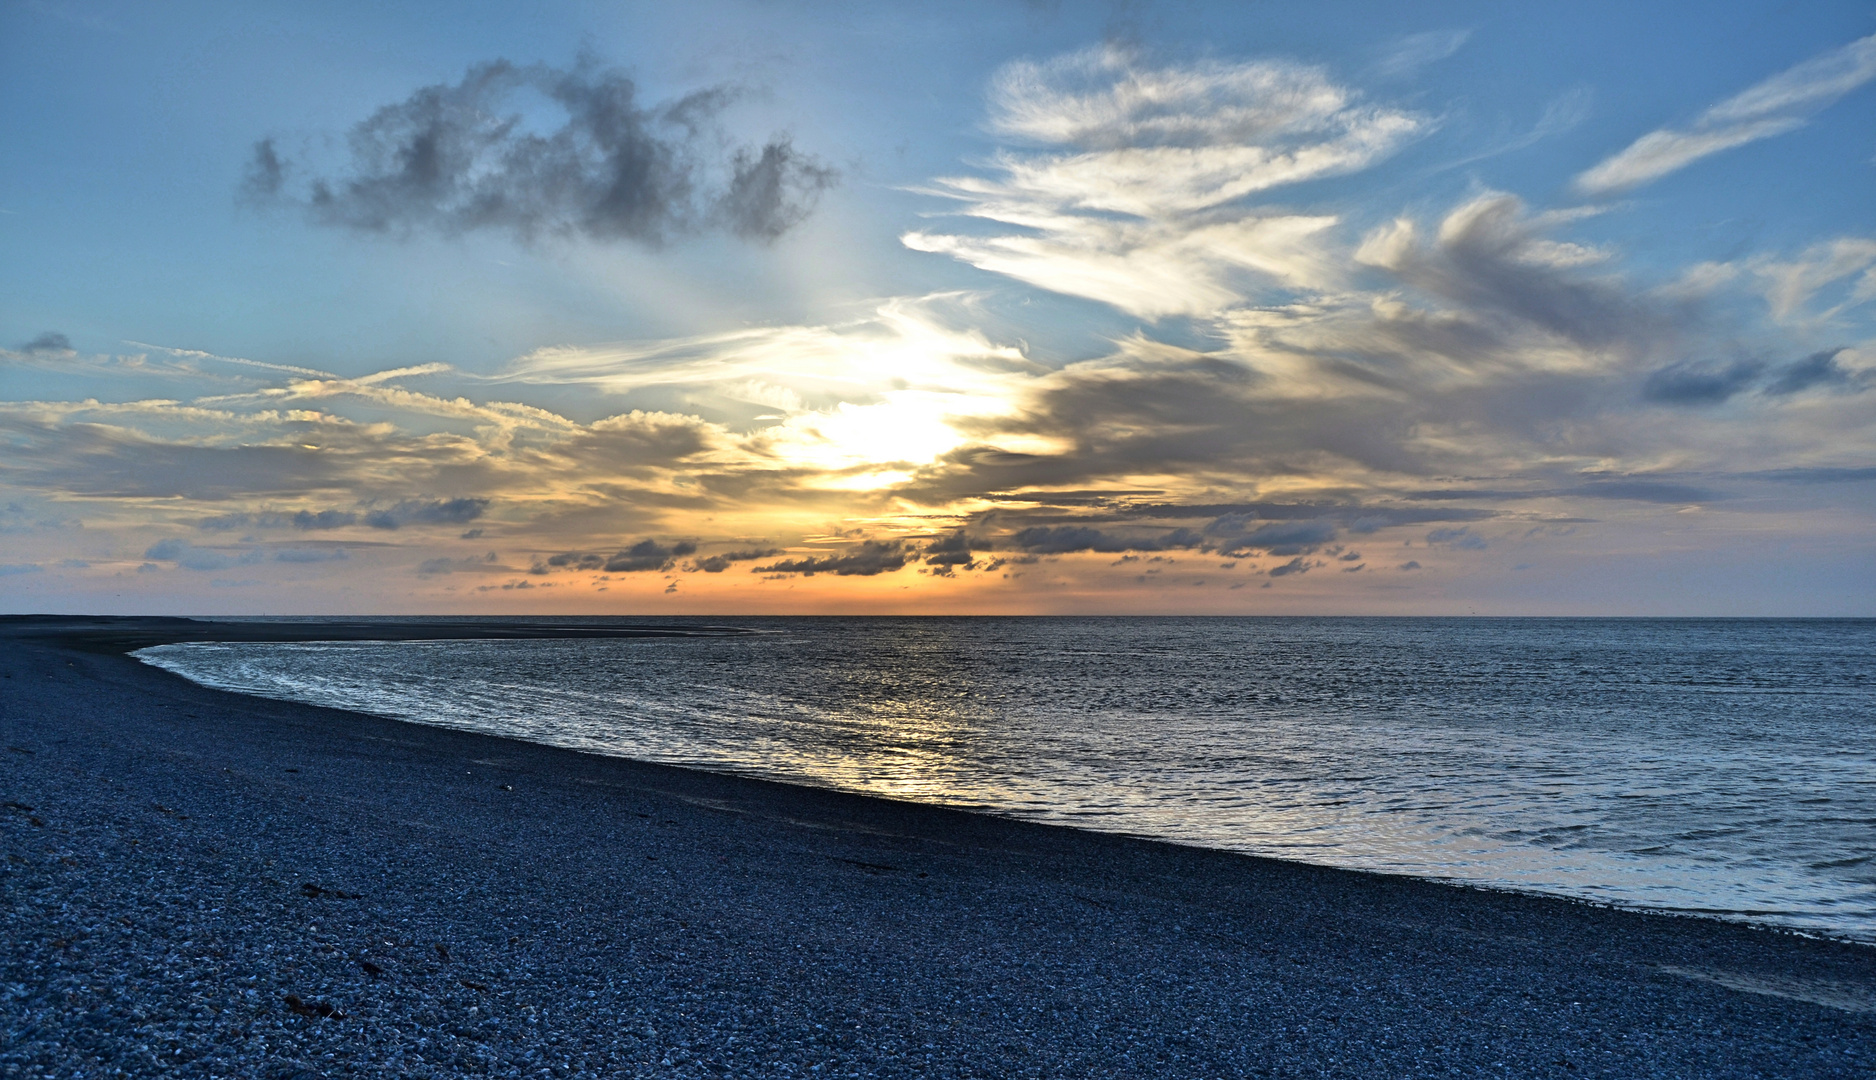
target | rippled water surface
x=1726, y=767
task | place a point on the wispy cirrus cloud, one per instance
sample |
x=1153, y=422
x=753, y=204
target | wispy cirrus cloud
x=1409, y=54
x=1791, y=284
x=1780, y=104
x=1134, y=193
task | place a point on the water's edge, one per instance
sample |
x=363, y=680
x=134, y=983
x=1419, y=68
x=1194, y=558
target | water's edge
x=165, y=658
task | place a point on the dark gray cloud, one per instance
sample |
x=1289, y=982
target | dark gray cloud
x=1697, y=384
x=49, y=342
x=94, y=459
x=1236, y=529
x=1462, y=538
x=310, y=555
x=1105, y=523
x=954, y=549
x=426, y=512
x=449, y=566
x=1653, y=491
x=279, y=519
x=460, y=158
x=1818, y=369
x=1354, y=516
x=189, y=557
x=772, y=191
x=1275, y=538
x=1822, y=475
x=866, y=559
x=642, y=557
x=953, y=552
x=1063, y=539
x=716, y=564
x=1212, y=415
x=570, y=560
x=1631, y=490
x=1298, y=565
x=266, y=172
x=405, y=512
x=1492, y=258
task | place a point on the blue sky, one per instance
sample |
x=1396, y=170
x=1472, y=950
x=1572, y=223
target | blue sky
x=999, y=307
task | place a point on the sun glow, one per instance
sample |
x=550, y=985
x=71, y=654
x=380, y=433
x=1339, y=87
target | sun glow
x=907, y=428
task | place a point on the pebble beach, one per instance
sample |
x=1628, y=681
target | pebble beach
x=200, y=883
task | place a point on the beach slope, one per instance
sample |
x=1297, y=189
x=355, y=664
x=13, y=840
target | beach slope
x=208, y=884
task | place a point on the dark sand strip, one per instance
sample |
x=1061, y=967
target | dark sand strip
x=179, y=861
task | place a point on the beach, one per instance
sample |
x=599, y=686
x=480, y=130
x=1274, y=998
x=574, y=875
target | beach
x=209, y=884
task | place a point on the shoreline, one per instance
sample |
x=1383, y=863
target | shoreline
x=618, y=917
x=1813, y=922
x=1769, y=923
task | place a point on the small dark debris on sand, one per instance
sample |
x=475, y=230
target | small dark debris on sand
x=314, y=892
x=320, y=1009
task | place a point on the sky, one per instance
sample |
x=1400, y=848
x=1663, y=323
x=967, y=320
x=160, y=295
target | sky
x=743, y=307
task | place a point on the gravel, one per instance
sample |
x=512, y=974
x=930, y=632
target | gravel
x=205, y=884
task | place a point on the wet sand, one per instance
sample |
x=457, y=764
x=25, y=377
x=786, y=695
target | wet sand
x=211, y=884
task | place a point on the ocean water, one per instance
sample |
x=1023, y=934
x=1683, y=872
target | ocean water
x=1718, y=767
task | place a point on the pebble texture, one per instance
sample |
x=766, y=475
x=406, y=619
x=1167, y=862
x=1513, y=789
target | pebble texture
x=204, y=884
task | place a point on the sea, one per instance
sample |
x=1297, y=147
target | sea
x=1717, y=767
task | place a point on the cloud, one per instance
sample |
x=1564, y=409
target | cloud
x=1063, y=539
x=1415, y=51
x=189, y=557
x=13, y=569
x=1298, y=565
x=1780, y=104
x=1694, y=384
x=443, y=565
x=866, y=559
x=646, y=556
x=49, y=342
x=1790, y=285
x=955, y=551
x=266, y=173
x=1818, y=369
x=1624, y=488
x=1494, y=258
x=277, y=519
x=1275, y=538
x=772, y=191
x=716, y=564
x=1462, y=538
x=1137, y=202
x=460, y=158
x=310, y=555
x=424, y=512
